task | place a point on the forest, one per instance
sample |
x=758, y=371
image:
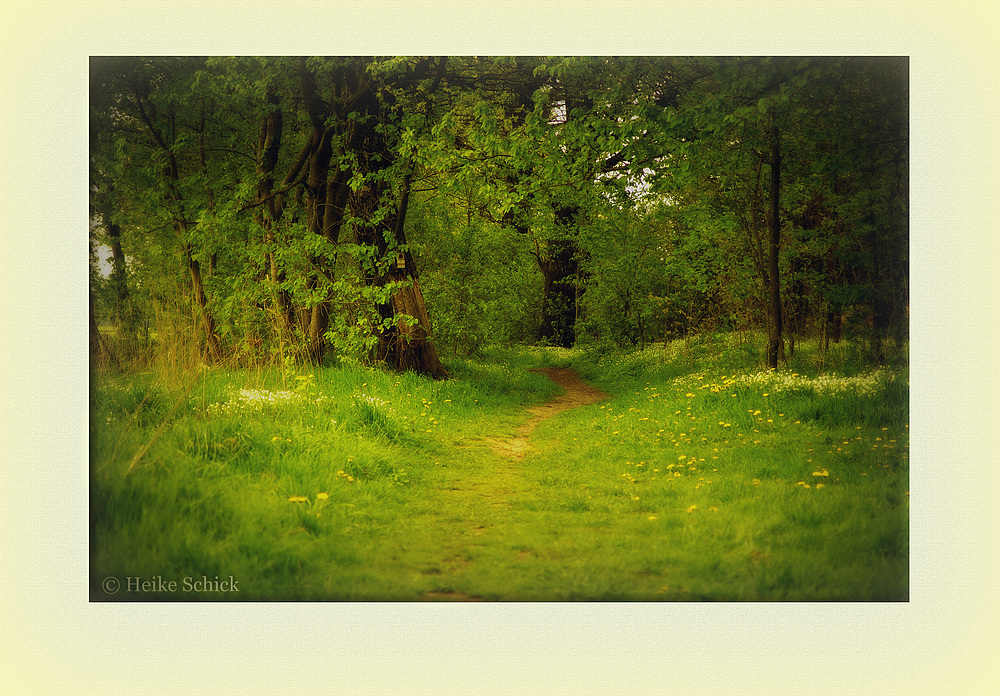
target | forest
x=258, y=211
x=428, y=328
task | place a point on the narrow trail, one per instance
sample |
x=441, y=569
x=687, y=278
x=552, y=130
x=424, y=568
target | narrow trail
x=578, y=393
x=484, y=493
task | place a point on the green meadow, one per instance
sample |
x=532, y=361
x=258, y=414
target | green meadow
x=701, y=477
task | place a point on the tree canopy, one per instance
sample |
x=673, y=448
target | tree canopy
x=399, y=208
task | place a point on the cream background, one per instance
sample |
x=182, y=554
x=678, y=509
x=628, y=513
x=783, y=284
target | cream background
x=943, y=641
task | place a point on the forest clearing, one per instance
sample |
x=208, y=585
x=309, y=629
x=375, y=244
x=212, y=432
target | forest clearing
x=691, y=479
x=499, y=328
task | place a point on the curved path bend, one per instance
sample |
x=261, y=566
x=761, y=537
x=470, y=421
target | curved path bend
x=578, y=393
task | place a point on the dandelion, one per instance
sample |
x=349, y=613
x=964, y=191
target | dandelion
x=691, y=508
x=322, y=496
x=297, y=499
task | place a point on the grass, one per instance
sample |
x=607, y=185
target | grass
x=701, y=478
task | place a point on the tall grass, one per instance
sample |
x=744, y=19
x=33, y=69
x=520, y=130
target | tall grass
x=248, y=474
x=702, y=477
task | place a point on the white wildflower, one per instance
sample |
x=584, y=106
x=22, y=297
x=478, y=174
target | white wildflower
x=255, y=400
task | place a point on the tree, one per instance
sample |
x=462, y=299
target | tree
x=735, y=117
x=208, y=174
x=309, y=208
x=129, y=97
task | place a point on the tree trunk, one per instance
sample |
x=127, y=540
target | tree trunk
x=402, y=345
x=319, y=320
x=835, y=321
x=774, y=247
x=269, y=210
x=560, y=269
x=880, y=285
x=317, y=192
x=98, y=346
x=124, y=312
x=207, y=321
x=408, y=346
x=172, y=176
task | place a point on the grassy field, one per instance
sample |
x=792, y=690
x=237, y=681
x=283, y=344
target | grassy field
x=700, y=478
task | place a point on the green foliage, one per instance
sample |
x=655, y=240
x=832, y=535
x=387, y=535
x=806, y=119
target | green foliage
x=614, y=201
x=480, y=283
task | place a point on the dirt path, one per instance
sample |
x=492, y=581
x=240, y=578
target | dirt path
x=578, y=393
x=481, y=495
